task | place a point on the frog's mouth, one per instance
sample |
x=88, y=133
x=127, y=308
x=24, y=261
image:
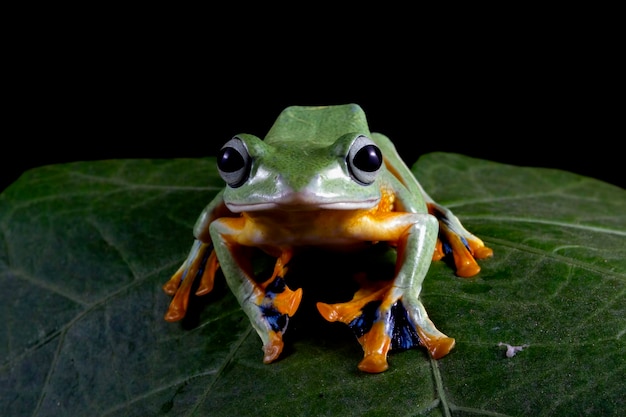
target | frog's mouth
x=302, y=201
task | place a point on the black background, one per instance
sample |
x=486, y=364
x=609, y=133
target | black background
x=94, y=91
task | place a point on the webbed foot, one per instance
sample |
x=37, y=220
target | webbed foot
x=383, y=320
x=276, y=303
x=454, y=239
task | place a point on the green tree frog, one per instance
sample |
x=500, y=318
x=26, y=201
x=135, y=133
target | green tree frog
x=321, y=178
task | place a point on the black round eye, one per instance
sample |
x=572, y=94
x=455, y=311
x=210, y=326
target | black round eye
x=230, y=160
x=368, y=158
x=233, y=162
x=364, y=160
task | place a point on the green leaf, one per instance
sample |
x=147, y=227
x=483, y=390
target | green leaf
x=86, y=247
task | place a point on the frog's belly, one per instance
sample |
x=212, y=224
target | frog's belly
x=329, y=228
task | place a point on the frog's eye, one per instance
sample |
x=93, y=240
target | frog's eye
x=233, y=162
x=364, y=160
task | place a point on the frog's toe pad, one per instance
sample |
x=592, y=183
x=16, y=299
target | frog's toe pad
x=171, y=286
x=174, y=313
x=482, y=252
x=273, y=348
x=374, y=364
x=440, y=347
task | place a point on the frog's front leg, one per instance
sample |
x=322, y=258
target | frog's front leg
x=389, y=314
x=268, y=304
x=200, y=263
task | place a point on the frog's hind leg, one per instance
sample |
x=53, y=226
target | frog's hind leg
x=454, y=239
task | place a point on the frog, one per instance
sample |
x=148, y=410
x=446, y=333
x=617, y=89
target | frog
x=320, y=178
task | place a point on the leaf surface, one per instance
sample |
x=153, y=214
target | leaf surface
x=86, y=247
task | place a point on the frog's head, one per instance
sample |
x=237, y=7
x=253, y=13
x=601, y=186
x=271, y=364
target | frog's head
x=301, y=174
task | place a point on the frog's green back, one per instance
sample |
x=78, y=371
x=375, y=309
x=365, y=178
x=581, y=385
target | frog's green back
x=317, y=125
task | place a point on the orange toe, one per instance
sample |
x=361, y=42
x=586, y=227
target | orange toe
x=374, y=364
x=273, y=349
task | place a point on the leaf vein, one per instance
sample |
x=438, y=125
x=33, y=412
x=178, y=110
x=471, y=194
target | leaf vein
x=51, y=368
x=21, y=274
x=227, y=360
x=564, y=259
x=567, y=225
